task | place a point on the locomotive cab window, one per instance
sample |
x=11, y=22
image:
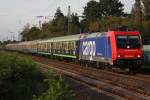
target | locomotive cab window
x=128, y=42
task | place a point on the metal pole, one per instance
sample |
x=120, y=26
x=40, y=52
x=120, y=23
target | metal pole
x=69, y=19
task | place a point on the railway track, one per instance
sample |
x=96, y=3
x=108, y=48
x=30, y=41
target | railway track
x=124, y=86
x=143, y=76
x=79, y=79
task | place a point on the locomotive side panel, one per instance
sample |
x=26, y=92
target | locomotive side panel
x=96, y=49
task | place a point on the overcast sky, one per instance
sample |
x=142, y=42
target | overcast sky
x=14, y=14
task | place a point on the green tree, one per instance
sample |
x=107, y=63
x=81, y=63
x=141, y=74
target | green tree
x=25, y=31
x=58, y=14
x=137, y=12
x=84, y=26
x=111, y=8
x=140, y=20
x=146, y=29
x=75, y=24
x=32, y=33
x=94, y=26
x=92, y=11
x=96, y=12
x=19, y=78
x=46, y=31
x=59, y=24
x=146, y=4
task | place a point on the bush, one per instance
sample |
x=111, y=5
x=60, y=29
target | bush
x=58, y=89
x=19, y=78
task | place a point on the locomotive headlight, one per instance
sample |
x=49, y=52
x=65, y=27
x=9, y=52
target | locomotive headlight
x=139, y=56
x=119, y=56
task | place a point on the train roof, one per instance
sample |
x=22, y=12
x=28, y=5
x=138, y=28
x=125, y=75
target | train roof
x=67, y=38
x=73, y=37
x=77, y=37
x=63, y=38
x=28, y=42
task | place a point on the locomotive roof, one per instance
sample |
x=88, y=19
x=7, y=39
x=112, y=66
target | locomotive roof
x=92, y=35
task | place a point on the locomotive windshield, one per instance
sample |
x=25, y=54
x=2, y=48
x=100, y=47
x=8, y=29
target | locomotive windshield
x=128, y=42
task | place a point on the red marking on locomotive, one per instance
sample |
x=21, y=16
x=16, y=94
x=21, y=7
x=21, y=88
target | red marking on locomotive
x=127, y=52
